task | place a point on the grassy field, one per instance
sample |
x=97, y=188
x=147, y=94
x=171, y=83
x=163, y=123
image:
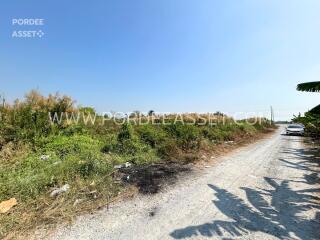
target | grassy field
x=40, y=153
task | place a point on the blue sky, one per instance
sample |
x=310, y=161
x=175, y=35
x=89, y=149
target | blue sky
x=166, y=55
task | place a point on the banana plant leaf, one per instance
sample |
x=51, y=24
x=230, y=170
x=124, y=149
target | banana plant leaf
x=309, y=87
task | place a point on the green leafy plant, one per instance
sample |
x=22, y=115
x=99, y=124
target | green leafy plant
x=309, y=87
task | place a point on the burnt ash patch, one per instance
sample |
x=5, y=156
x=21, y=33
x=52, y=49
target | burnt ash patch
x=149, y=178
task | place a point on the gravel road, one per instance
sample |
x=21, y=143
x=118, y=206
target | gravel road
x=263, y=191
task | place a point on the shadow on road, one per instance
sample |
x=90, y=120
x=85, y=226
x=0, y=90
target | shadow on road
x=310, y=160
x=280, y=216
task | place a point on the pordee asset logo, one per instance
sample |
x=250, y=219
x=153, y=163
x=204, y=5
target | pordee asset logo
x=27, y=22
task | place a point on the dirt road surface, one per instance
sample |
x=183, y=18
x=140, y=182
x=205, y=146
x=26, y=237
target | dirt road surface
x=267, y=190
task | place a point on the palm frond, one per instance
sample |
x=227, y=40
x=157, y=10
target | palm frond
x=309, y=87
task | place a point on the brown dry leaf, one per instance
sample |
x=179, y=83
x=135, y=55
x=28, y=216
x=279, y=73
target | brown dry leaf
x=5, y=206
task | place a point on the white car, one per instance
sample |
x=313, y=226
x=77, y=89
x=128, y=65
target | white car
x=295, y=129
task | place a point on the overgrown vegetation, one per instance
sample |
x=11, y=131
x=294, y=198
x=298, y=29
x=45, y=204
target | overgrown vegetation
x=311, y=119
x=39, y=153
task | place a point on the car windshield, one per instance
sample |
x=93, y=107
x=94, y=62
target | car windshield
x=294, y=126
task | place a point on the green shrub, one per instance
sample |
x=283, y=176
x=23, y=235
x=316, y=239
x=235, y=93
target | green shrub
x=129, y=147
x=248, y=128
x=152, y=135
x=126, y=132
x=28, y=119
x=110, y=141
x=311, y=121
x=168, y=149
x=188, y=137
x=212, y=133
x=70, y=158
x=78, y=144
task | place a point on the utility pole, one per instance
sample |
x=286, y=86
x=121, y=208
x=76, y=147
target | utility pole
x=271, y=115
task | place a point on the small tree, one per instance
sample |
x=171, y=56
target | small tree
x=151, y=113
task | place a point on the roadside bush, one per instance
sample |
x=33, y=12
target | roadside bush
x=212, y=133
x=312, y=127
x=109, y=142
x=311, y=121
x=126, y=133
x=129, y=146
x=248, y=128
x=168, y=149
x=70, y=158
x=152, y=135
x=28, y=119
x=77, y=144
x=188, y=137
